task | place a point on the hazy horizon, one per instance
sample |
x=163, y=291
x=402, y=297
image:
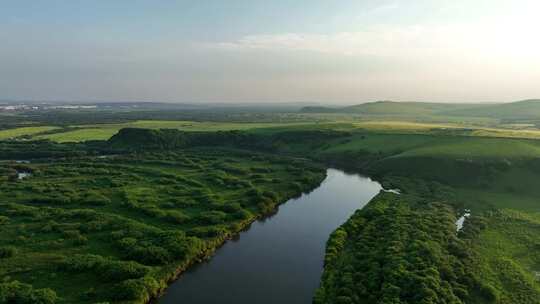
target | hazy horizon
x=241, y=51
x=240, y=103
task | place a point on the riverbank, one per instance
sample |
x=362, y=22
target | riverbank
x=214, y=245
x=119, y=228
x=279, y=259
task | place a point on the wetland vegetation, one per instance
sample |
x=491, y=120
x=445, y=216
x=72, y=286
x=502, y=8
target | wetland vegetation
x=121, y=213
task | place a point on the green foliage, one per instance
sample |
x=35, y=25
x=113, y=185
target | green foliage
x=137, y=289
x=16, y=292
x=119, y=217
x=505, y=255
x=106, y=269
x=391, y=252
x=115, y=227
x=7, y=252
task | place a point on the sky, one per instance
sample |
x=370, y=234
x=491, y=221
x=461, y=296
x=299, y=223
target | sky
x=325, y=51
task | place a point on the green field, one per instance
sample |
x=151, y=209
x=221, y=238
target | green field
x=24, y=131
x=106, y=131
x=505, y=254
x=79, y=133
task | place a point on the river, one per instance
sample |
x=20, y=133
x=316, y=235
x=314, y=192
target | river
x=278, y=259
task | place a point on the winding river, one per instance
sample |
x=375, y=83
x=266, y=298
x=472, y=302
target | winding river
x=279, y=259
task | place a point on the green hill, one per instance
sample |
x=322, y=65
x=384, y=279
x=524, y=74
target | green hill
x=393, y=108
x=526, y=109
x=404, y=108
x=520, y=110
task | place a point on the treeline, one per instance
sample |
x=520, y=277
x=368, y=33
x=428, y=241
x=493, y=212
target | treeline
x=272, y=141
x=20, y=293
x=122, y=113
x=392, y=252
x=128, y=140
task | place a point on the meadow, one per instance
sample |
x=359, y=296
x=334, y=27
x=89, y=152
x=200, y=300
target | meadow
x=79, y=133
x=24, y=131
x=118, y=228
x=506, y=256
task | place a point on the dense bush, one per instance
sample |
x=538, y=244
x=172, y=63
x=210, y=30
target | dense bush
x=212, y=217
x=177, y=217
x=19, y=293
x=95, y=198
x=137, y=289
x=396, y=254
x=7, y=252
x=207, y=232
x=106, y=269
x=162, y=248
x=4, y=219
x=139, y=214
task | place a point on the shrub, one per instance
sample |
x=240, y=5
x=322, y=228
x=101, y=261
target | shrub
x=137, y=289
x=206, y=232
x=16, y=292
x=127, y=242
x=177, y=217
x=271, y=195
x=151, y=255
x=4, y=220
x=96, y=199
x=489, y=293
x=242, y=214
x=105, y=268
x=212, y=217
x=120, y=270
x=7, y=252
x=72, y=234
x=230, y=208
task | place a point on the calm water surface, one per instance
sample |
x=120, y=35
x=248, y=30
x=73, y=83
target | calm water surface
x=279, y=259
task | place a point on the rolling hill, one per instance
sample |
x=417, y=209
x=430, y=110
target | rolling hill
x=520, y=110
x=393, y=108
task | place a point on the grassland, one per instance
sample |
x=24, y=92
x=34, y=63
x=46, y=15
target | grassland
x=105, y=131
x=118, y=228
x=80, y=133
x=506, y=255
x=516, y=112
x=25, y=131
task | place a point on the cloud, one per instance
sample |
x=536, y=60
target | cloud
x=375, y=41
x=385, y=8
x=480, y=41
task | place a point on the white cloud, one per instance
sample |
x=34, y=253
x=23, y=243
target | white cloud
x=385, y=8
x=510, y=40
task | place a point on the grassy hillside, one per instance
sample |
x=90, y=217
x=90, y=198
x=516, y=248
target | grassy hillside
x=514, y=112
x=392, y=108
x=522, y=110
x=106, y=131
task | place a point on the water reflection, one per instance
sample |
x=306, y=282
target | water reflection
x=280, y=258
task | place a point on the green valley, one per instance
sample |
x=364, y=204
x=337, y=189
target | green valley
x=126, y=207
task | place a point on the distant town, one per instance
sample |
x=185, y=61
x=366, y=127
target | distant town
x=31, y=107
